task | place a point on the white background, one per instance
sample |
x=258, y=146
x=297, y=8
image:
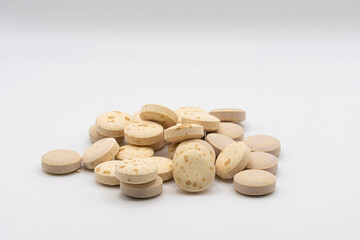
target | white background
x=294, y=66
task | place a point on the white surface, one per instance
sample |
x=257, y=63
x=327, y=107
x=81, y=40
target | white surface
x=294, y=66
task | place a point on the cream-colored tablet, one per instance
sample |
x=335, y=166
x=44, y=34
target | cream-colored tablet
x=145, y=190
x=130, y=152
x=160, y=114
x=101, y=151
x=182, y=132
x=144, y=133
x=229, y=114
x=263, y=143
x=95, y=136
x=136, y=117
x=61, y=161
x=195, y=144
x=232, y=160
x=233, y=130
x=254, y=182
x=218, y=141
x=159, y=145
x=263, y=161
x=209, y=123
x=105, y=173
x=112, y=124
x=137, y=170
x=193, y=170
x=183, y=110
x=171, y=149
x=165, y=167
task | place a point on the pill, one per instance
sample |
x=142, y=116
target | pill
x=254, y=182
x=183, y=110
x=171, y=149
x=105, y=173
x=193, y=170
x=229, y=114
x=160, y=114
x=95, y=136
x=112, y=124
x=196, y=144
x=144, y=133
x=101, y=151
x=182, y=132
x=136, y=117
x=159, y=145
x=145, y=190
x=130, y=152
x=61, y=161
x=165, y=167
x=233, y=130
x=137, y=170
x=263, y=161
x=209, y=123
x=263, y=143
x=232, y=160
x=218, y=141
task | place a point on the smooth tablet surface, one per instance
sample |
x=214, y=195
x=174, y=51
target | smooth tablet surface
x=160, y=114
x=182, y=132
x=229, y=114
x=61, y=161
x=130, y=152
x=144, y=133
x=183, y=110
x=136, y=117
x=263, y=143
x=137, y=170
x=196, y=144
x=218, y=141
x=101, y=151
x=165, y=167
x=95, y=136
x=232, y=160
x=254, y=182
x=112, y=124
x=263, y=161
x=145, y=190
x=232, y=130
x=159, y=145
x=209, y=123
x=105, y=173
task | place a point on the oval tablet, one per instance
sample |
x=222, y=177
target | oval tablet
x=112, y=124
x=218, y=141
x=137, y=170
x=263, y=143
x=144, y=133
x=145, y=190
x=160, y=114
x=196, y=144
x=61, y=161
x=165, y=167
x=105, y=173
x=254, y=182
x=183, y=110
x=263, y=161
x=209, y=123
x=130, y=152
x=95, y=136
x=232, y=130
x=101, y=151
x=229, y=114
x=181, y=132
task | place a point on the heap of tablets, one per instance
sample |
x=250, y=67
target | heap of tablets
x=200, y=146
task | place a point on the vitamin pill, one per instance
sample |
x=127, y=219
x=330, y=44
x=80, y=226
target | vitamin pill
x=159, y=145
x=196, y=144
x=171, y=149
x=209, y=123
x=232, y=130
x=160, y=114
x=144, y=133
x=232, y=160
x=112, y=124
x=229, y=114
x=183, y=110
x=137, y=170
x=263, y=143
x=136, y=117
x=145, y=190
x=254, y=182
x=165, y=167
x=130, y=152
x=101, y=151
x=105, y=173
x=61, y=161
x=218, y=141
x=95, y=136
x=182, y=132
x=263, y=161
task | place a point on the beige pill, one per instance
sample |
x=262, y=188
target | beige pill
x=196, y=144
x=112, y=124
x=137, y=170
x=165, y=167
x=171, y=149
x=263, y=143
x=193, y=170
x=144, y=133
x=229, y=114
x=136, y=117
x=101, y=151
x=209, y=123
x=160, y=114
x=182, y=132
x=159, y=145
x=254, y=182
x=183, y=110
x=105, y=173
x=95, y=136
x=232, y=130
x=145, y=190
x=263, y=161
x=130, y=152
x=61, y=161
x=218, y=141
x=232, y=160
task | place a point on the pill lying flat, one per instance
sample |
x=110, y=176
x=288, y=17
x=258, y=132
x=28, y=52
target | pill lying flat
x=130, y=152
x=145, y=190
x=61, y=161
x=137, y=170
x=263, y=161
x=95, y=136
x=165, y=167
x=182, y=132
x=218, y=141
x=183, y=110
x=144, y=133
x=209, y=123
x=160, y=114
x=232, y=130
x=112, y=124
x=263, y=143
x=101, y=151
x=229, y=114
x=254, y=182
x=105, y=173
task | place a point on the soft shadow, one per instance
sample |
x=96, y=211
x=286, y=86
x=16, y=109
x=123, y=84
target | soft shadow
x=183, y=192
x=132, y=199
x=223, y=180
x=259, y=196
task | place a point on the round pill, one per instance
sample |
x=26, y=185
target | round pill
x=254, y=182
x=112, y=124
x=130, y=152
x=171, y=149
x=144, y=133
x=182, y=132
x=159, y=145
x=105, y=173
x=160, y=114
x=101, y=151
x=209, y=123
x=232, y=130
x=61, y=161
x=95, y=136
x=232, y=160
x=263, y=143
x=183, y=110
x=196, y=144
x=229, y=114
x=137, y=170
x=218, y=141
x=145, y=190
x=136, y=117
x=263, y=161
x=165, y=167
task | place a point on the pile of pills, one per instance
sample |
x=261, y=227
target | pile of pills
x=200, y=145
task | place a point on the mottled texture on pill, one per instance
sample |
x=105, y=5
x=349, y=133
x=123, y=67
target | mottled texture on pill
x=182, y=132
x=137, y=170
x=160, y=114
x=112, y=124
x=165, y=167
x=208, y=122
x=130, y=152
x=95, y=136
x=188, y=110
x=105, y=173
x=144, y=133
